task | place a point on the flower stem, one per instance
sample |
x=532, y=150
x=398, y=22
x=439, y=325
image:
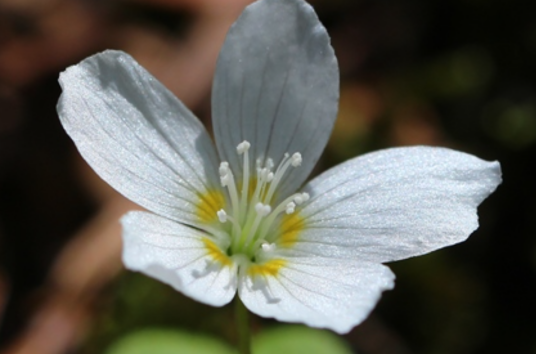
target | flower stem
x=242, y=326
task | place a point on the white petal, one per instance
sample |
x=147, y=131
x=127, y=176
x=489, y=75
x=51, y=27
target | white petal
x=136, y=135
x=176, y=254
x=324, y=293
x=396, y=203
x=277, y=86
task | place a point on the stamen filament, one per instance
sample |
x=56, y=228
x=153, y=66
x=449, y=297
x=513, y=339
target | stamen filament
x=262, y=179
x=227, y=180
x=262, y=210
x=243, y=148
x=295, y=160
x=282, y=207
x=223, y=217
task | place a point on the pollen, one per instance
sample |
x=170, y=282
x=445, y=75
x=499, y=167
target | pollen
x=270, y=268
x=216, y=253
x=210, y=203
x=291, y=227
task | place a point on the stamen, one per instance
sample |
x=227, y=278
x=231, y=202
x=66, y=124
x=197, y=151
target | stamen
x=262, y=209
x=301, y=198
x=227, y=180
x=224, y=173
x=267, y=247
x=269, y=163
x=290, y=208
x=288, y=205
x=243, y=147
x=262, y=178
x=296, y=159
x=222, y=216
x=264, y=173
x=224, y=168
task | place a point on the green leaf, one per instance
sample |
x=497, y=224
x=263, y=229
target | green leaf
x=299, y=340
x=167, y=341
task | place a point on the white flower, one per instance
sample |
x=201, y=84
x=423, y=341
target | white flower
x=313, y=256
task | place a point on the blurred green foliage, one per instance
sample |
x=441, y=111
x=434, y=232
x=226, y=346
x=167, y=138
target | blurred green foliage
x=283, y=339
x=167, y=341
x=293, y=339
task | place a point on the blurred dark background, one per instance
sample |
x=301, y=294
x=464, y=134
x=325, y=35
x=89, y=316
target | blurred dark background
x=459, y=73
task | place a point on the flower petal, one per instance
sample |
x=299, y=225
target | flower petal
x=324, y=293
x=396, y=203
x=277, y=86
x=177, y=255
x=136, y=135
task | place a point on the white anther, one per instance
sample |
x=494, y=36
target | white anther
x=296, y=159
x=224, y=180
x=222, y=215
x=243, y=147
x=269, y=177
x=300, y=198
x=224, y=174
x=224, y=168
x=269, y=163
x=290, y=208
x=268, y=247
x=264, y=173
x=266, y=210
x=262, y=209
x=258, y=208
